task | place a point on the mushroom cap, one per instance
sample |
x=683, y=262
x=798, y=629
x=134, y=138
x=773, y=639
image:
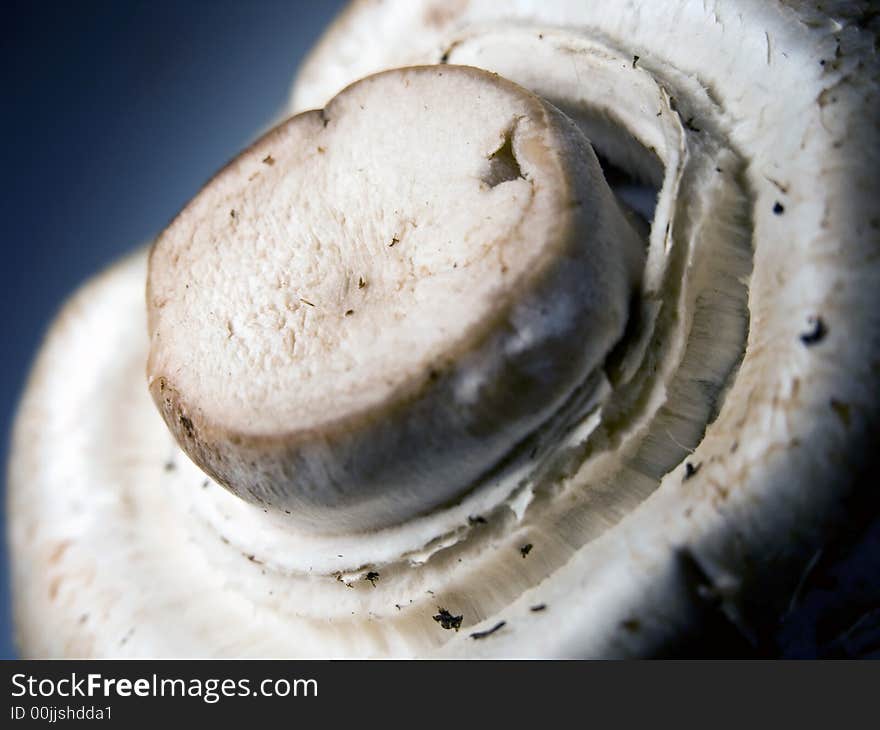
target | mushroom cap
x=375, y=303
x=122, y=547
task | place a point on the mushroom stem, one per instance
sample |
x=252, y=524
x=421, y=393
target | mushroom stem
x=498, y=272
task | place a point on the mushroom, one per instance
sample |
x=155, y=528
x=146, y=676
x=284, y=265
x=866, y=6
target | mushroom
x=360, y=332
x=461, y=401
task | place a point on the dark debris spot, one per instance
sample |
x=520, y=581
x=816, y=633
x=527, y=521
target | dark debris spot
x=488, y=632
x=816, y=333
x=635, y=60
x=187, y=425
x=372, y=576
x=269, y=160
x=447, y=620
x=778, y=208
x=690, y=470
x=349, y=312
x=477, y=520
x=539, y=607
x=689, y=124
x=170, y=466
x=394, y=241
x=525, y=549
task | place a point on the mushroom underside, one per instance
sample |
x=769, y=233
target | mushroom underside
x=729, y=449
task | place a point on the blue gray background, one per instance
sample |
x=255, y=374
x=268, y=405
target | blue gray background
x=113, y=116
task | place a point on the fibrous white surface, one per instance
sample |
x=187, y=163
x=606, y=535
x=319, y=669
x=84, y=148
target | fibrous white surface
x=367, y=311
x=735, y=421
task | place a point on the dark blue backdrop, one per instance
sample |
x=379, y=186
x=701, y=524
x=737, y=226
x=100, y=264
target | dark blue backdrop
x=114, y=114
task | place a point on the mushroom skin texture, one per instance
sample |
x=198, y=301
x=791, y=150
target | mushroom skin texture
x=733, y=439
x=432, y=300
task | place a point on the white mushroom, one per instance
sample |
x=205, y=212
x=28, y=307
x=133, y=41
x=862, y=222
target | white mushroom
x=695, y=423
x=360, y=331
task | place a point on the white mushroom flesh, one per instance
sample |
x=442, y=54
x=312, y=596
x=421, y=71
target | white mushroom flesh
x=721, y=439
x=372, y=308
